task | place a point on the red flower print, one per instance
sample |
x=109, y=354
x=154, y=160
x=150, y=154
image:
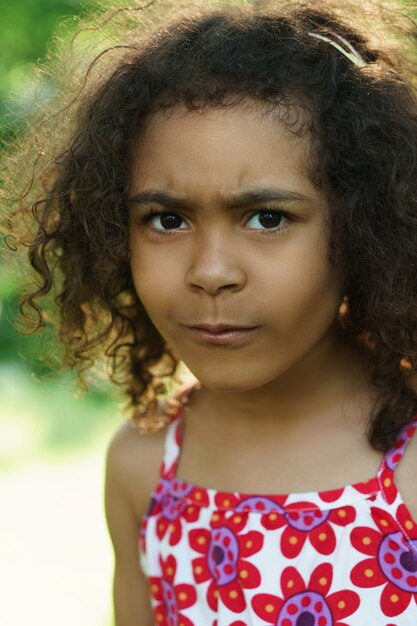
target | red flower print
x=392, y=459
x=236, y=623
x=171, y=599
x=308, y=521
x=370, y=488
x=224, y=552
x=182, y=502
x=388, y=485
x=306, y=604
x=406, y=522
x=392, y=559
x=157, y=497
x=331, y=495
x=142, y=534
x=153, y=509
x=244, y=503
x=395, y=454
x=178, y=429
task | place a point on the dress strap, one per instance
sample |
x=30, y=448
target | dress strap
x=173, y=435
x=387, y=482
x=394, y=456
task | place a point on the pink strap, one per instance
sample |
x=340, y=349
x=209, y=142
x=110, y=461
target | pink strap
x=388, y=486
x=173, y=436
x=394, y=456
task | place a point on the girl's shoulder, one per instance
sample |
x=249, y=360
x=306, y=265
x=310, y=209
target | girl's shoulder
x=133, y=462
x=135, y=457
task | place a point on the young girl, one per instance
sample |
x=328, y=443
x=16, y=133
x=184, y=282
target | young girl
x=238, y=194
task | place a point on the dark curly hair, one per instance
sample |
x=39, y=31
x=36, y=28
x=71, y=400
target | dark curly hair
x=363, y=121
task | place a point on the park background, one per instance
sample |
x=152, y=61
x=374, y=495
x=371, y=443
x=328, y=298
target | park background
x=56, y=559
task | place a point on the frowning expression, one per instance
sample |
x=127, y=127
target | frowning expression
x=226, y=228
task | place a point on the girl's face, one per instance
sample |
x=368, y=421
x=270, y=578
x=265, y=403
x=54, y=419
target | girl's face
x=238, y=238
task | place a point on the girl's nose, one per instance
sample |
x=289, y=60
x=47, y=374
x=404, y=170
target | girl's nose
x=216, y=265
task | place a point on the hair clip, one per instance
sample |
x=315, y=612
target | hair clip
x=353, y=55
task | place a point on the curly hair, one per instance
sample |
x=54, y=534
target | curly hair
x=363, y=121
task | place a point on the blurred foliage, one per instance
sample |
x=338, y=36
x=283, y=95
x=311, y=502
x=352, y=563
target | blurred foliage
x=39, y=413
x=26, y=30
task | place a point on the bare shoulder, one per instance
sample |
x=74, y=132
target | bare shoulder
x=406, y=476
x=133, y=462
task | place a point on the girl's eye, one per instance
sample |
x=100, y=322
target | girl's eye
x=268, y=219
x=164, y=219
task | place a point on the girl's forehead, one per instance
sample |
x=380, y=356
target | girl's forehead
x=221, y=149
x=244, y=122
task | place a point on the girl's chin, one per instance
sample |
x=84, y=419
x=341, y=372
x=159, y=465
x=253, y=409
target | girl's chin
x=227, y=383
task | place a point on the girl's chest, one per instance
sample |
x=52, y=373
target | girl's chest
x=237, y=559
x=341, y=556
x=269, y=466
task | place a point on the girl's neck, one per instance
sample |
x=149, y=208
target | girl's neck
x=330, y=386
x=300, y=437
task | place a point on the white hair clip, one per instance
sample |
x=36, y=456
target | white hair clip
x=353, y=55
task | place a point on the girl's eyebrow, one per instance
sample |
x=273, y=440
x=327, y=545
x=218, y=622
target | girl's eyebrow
x=262, y=194
x=236, y=200
x=160, y=197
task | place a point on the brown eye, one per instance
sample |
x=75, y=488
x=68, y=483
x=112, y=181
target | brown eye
x=162, y=220
x=170, y=220
x=269, y=219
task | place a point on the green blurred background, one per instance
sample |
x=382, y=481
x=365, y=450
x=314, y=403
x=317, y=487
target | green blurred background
x=55, y=556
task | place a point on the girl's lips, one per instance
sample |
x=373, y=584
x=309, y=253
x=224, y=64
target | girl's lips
x=231, y=335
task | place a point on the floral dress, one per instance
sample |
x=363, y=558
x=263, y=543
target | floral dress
x=345, y=557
